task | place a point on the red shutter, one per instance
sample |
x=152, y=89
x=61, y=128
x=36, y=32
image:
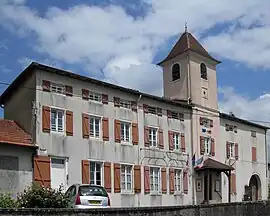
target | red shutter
x=69, y=123
x=169, y=113
x=146, y=136
x=105, y=99
x=69, y=90
x=228, y=149
x=164, y=180
x=107, y=177
x=85, y=94
x=201, y=120
x=254, y=154
x=46, y=85
x=171, y=176
x=46, y=119
x=145, y=108
x=117, y=131
x=42, y=170
x=202, y=145
x=236, y=151
x=146, y=180
x=85, y=126
x=211, y=123
x=160, y=138
x=85, y=172
x=233, y=183
x=185, y=182
x=134, y=106
x=183, y=142
x=135, y=134
x=105, y=129
x=170, y=136
x=116, y=101
x=213, y=149
x=117, y=181
x=137, y=178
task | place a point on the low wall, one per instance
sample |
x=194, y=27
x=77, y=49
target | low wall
x=233, y=209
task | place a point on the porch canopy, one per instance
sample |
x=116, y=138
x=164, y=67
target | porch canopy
x=210, y=165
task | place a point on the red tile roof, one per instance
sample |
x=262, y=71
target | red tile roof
x=12, y=133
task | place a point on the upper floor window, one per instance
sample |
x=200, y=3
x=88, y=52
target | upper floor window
x=155, y=179
x=203, y=71
x=253, y=133
x=125, y=103
x=153, y=137
x=95, y=96
x=125, y=132
x=176, y=141
x=94, y=127
x=176, y=70
x=207, y=145
x=57, y=120
x=58, y=88
x=177, y=180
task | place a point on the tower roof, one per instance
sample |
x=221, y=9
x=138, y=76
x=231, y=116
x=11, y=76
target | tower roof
x=188, y=42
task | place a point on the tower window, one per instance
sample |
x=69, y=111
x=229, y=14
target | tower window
x=176, y=72
x=203, y=71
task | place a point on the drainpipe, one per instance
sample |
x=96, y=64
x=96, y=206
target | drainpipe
x=139, y=148
x=192, y=152
x=266, y=160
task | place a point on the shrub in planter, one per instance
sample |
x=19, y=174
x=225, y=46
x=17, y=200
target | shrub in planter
x=7, y=201
x=36, y=196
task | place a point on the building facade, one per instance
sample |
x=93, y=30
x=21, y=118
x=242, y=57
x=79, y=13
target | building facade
x=145, y=150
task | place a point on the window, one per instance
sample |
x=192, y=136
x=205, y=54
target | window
x=95, y=173
x=58, y=88
x=125, y=132
x=94, y=127
x=207, y=145
x=95, y=96
x=126, y=181
x=152, y=110
x=176, y=70
x=176, y=141
x=153, y=137
x=57, y=120
x=175, y=115
x=177, y=180
x=231, y=150
x=203, y=71
x=125, y=103
x=253, y=133
x=155, y=179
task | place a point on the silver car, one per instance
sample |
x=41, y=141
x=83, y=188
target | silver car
x=85, y=196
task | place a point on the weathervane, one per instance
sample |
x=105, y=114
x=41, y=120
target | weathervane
x=185, y=26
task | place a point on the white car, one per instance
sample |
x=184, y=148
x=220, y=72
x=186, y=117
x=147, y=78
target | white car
x=83, y=196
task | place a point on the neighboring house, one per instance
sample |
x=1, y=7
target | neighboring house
x=139, y=146
x=16, y=154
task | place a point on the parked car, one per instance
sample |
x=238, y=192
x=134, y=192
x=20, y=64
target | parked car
x=85, y=196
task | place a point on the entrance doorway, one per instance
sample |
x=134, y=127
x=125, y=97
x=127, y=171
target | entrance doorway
x=208, y=187
x=255, y=188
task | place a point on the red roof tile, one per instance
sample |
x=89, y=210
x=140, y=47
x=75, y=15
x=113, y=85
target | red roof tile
x=12, y=133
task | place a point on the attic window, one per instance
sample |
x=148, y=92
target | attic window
x=203, y=71
x=176, y=72
x=152, y=110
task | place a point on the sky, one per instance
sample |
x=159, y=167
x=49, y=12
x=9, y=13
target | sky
x=120, y=41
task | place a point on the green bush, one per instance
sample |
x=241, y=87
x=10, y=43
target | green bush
x=6, y=201
x=36, y=196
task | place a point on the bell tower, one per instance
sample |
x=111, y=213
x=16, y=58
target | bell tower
x=189, y=73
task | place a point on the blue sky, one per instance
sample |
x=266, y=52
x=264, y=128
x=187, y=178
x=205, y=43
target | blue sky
x=126, y=38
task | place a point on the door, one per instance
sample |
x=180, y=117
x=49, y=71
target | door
x=58, y=173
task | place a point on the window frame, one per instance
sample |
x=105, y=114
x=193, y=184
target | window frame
x=124, y=102
x=125, y=180
x=57, y=111
x=203, y=74
x=152, y=180
x=57, y=86
x=92, y=96
x=100, y=128
x=95, y=172
x=178, y=188
x=124, y=141
x=174, y=73
x=174, y=141
x=151, y=136
x=231, y=150
x=207, y=145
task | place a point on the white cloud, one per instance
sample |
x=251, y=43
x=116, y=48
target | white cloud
x=98, y=37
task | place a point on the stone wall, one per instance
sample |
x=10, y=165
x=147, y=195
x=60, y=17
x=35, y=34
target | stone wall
x=233, y=209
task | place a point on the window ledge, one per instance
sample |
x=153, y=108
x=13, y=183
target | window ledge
x=178, y=193
x=95, y=138
x=126, y=143
x=155, y=193
x=127, y=193
x=96, y=102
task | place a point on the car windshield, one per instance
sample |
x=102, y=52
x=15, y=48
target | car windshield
x=88, y=190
